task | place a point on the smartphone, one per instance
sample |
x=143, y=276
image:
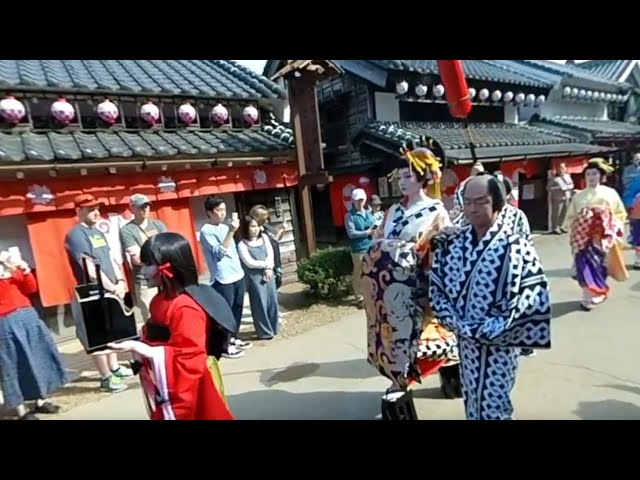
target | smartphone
x=234, y=216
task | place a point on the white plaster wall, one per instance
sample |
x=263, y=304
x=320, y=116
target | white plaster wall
x=387, y=107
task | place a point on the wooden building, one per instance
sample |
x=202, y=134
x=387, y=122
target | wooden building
x=375, y=105
x=175, y=130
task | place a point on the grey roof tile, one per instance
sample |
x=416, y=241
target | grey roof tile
x=602, y=128
x=609, y=69
x=78, y=146
x=453, y=136
x=488, y=70
x=563, y=71
x=198, y=78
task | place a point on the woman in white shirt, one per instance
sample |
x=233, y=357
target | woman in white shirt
x=257, y=258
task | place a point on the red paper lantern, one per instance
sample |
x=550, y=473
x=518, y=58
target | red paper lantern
x=455, y=84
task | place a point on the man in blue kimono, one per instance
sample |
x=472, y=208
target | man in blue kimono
x=489, y=287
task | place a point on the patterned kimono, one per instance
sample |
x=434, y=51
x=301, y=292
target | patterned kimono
x=405, y=342
x=493, y=294
x=595, y=233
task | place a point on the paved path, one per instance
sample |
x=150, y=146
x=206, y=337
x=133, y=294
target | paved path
x=590, y=373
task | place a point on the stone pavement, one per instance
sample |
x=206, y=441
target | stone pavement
x=590, y=372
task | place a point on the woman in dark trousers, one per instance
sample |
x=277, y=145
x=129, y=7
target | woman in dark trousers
x=256, y=256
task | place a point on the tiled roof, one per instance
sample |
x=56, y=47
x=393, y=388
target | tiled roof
x=94, y=146
x=597, y=128
x=492, y=140
x=192, y=78
x=488, y=70
x=559, y=70
x=609, y=69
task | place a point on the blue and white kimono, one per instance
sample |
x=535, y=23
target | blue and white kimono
x=494, y=295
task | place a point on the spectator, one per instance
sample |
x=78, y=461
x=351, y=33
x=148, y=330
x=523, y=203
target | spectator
x=360, y=227
x=223, y=262
x=86, y=242
x=132, y=236
x=256, y=254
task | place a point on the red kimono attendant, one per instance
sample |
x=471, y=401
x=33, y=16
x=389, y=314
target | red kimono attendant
x=181, y=341
x=179, y=383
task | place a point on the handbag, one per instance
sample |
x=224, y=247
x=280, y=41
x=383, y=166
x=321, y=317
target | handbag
x=615, y=264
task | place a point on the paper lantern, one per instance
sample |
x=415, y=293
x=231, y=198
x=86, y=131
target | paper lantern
x=150, y=113
x=250, y=115
x=63, y=111
x=12, y=110
x=484, y=94
x=520, y=98
x=508, y=97
x=219, y=114
x=567, y=91
x=107, y=111
x=402, y=87
x=438, y=91
x=421, y=90
x=531, y=98
x=472, y=93
x=496, y=96
x=540, y=100
x=187, y=113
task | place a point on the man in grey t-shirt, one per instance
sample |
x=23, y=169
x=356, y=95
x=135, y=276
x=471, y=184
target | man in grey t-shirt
x=132, y=236
x=86, y=242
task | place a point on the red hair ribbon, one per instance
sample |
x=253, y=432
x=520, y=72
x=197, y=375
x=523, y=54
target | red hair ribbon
x=166, y=270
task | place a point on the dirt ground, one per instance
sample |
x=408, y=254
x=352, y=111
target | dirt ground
x=303, y=313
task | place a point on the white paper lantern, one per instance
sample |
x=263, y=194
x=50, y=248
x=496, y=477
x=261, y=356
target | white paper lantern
x=219, y=114
x=63, y=111
x=187, y=113
x=496, y=96
x=596, y=95
x=531, y=98
x=472, y=93
x=607, y=97
x=150, y=113
x=541, y=99
x=484, y=94
x=438, y=91
x=12, y=110
x=250, y=115
x=520, y=98
x=582, y=93
x=574, y=92
x=108, y=111
x=589, y=94
x=421, y=90
x=402, y=87
x=567, y=91
x=508, y=97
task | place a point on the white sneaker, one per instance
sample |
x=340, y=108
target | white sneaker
x=241, y=344
x=233, y=352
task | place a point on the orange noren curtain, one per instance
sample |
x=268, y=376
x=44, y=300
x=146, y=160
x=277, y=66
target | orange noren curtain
x=176, y=215
x=47, y=232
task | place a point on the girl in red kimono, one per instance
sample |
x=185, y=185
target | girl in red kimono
x=180, y=341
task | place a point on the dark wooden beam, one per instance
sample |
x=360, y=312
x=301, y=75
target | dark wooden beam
x=301, y=77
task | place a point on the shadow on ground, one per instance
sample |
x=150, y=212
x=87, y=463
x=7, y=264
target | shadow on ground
x=625, y=388
x=283, y=405
x=608, y=410
x=560, y=309
x=357, y=369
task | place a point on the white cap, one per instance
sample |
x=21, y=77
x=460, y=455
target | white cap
x=358, y=194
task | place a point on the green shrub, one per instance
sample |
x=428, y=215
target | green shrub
x=327, y=273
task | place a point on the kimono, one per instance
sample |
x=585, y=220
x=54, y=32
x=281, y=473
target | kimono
x=594, y=236
x=492, y=292
x=404, y=340
x=181, y=381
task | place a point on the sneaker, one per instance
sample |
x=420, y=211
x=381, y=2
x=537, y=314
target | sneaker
x=233, y=352
x=112, y=384
x=241, y=344
x=123, y=372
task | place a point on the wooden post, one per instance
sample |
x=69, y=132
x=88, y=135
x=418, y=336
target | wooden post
x=302, y=77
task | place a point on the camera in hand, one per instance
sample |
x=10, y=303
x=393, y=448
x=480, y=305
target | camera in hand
x=102, y=317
